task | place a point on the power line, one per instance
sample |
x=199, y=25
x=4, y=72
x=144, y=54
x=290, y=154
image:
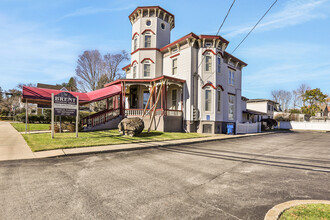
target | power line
x=225, y=18
x=254, y=26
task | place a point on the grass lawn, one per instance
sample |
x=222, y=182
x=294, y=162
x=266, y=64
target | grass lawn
x=307, y=211
x=39, y=142
x=32, y=127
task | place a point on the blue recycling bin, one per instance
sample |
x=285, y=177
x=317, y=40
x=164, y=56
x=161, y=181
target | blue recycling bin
x=230, y=128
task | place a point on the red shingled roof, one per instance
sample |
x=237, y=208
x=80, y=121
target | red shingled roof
x=46, y=94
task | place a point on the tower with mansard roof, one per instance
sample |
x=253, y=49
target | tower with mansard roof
x=151, y=30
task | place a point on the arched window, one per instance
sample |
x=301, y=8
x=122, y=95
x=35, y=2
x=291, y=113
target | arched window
x=146, y=68
x=135, y=43
x=218, y=64
x=208, y=62
x=208, y=99
x=218, y=100
x=134, y=71
x=147, y=39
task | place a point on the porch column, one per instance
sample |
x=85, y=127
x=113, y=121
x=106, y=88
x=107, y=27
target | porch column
x=162, y=98
x=124, y=99
x=181, y=98
x=165, y=104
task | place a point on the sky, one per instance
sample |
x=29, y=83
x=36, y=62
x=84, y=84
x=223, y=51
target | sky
x=40, y=40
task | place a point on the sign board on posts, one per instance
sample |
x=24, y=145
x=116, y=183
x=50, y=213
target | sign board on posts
x=65, y=104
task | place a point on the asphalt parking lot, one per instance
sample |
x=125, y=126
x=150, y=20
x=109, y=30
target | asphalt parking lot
x=228, y=179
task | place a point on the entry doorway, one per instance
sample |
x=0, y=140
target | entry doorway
x=133, y=97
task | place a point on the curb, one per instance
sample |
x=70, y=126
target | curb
x=275, y=212
x=130, y=147
x=151, y=145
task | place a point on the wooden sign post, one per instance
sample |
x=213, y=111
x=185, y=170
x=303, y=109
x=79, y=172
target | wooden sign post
x=52, y=116
x=77, y=116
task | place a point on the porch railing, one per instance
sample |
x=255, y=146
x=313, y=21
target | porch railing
x=100, y=117
x=173, y=112
x=139, y=112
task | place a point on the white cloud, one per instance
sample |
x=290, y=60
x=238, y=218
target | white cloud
x=284, y=50
x=286, y=76
x=294, y=12
x=94, y=10
x=31, y=52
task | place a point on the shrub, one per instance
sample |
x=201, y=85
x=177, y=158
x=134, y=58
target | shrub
x=281, y=117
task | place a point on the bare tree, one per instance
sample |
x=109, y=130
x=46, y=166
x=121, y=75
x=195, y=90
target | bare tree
x=112, y=63
x=89, y=70
x=296, y=99
x=93, y=72
x=20, y=85
x=282, y=97
x=300, y=92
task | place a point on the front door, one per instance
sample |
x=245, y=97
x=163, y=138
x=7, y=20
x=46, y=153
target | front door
x=133, y=97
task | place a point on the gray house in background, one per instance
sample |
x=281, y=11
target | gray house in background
x=262, y=108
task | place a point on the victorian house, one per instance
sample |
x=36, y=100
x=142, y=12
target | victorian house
x=191, y=84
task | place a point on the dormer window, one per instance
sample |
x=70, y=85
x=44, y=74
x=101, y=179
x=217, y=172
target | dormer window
x=146, y=68
x=147, y=40
x=208, y=62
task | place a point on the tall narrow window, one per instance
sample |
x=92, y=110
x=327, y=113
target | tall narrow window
x=218, y=64
x=134, y=71
x=208, y=100
x=146, y=69
x=231, y=107
x=231, y=78
x=219, y=101
x=174, y=99
x=174, y=66
x=135, y=43
x=208, y=62
x=147, y=41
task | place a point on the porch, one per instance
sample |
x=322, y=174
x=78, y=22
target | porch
x=159, y=102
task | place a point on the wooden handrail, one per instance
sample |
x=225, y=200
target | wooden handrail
x=153, y=113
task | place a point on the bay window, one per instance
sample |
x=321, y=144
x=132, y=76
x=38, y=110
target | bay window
x=147, y=41
x=146, y=69
x=208, y=62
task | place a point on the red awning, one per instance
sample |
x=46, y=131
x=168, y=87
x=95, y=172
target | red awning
x=45, y=95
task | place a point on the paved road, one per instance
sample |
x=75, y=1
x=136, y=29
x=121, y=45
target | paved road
x=230, y=179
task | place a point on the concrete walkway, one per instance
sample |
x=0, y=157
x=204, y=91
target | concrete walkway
x=14, y=147
x=12, y=144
